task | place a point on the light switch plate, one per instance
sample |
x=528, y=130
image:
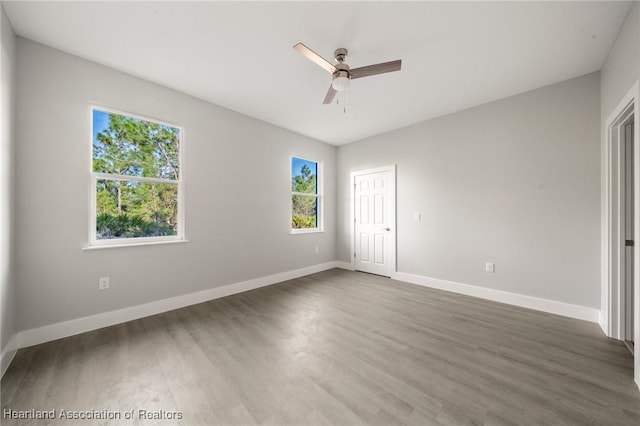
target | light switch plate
x=103, y=283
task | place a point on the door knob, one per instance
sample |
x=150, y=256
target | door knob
x=387, y=229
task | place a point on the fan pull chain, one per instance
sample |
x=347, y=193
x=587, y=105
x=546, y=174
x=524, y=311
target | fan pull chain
x=344, y=102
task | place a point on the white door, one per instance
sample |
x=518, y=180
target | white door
x=374, y=221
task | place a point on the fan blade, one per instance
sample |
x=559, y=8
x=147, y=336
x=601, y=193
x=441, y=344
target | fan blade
x=375, y=69
x=331, y=93
x=315, y=57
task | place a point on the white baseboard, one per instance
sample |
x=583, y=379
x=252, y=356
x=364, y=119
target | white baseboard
x=604, y=325
x=8, y=353
x=59, y=330
x=344, y=265
x=530, y=302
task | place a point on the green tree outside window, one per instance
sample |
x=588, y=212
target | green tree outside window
x=136, y=174
x=304, y=194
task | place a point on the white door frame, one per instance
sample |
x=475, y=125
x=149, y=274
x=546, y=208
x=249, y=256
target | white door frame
x=392, y=195
x=613, y=258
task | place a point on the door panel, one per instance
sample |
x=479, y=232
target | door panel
x=364, y=209
x=378, y=210
x=364, y=248
x=379, y=249
x=374, y=205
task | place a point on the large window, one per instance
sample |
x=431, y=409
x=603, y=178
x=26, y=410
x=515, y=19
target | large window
x=136, y=180
x=306, y=200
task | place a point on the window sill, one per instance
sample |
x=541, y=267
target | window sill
x=304, y=231
x=148, y=243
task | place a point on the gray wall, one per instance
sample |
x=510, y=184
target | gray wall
x=7, y=144
x=237, y=179
x=515, y=182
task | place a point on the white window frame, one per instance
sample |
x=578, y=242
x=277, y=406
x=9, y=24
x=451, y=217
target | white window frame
x=120, y=242
x=319, y=179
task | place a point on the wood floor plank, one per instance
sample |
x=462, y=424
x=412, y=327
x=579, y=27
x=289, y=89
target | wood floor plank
x=335, y=348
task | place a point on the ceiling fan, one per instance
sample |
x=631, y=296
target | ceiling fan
x=342, y=74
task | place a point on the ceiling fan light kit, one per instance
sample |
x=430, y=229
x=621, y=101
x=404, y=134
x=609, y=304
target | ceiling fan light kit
x=342, y=74
x=341, y=82
x=341, y=79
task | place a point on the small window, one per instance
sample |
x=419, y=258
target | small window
x=136, y=180
x=306, y=199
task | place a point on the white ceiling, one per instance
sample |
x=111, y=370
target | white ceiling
x=239, y=55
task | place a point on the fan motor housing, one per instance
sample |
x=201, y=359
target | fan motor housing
x=343, y=70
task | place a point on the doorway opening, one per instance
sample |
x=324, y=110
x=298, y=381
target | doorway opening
x=621, y=239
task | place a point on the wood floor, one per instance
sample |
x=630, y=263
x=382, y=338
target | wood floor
x=334, y=348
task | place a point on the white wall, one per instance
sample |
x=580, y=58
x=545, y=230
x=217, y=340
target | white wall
x=237, y=179
x=515, y=182
x=7, y=144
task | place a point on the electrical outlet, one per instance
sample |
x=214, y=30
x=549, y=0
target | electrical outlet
x=103, y=283
x=317, y=249
x=490, y=267
x=416, y=216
